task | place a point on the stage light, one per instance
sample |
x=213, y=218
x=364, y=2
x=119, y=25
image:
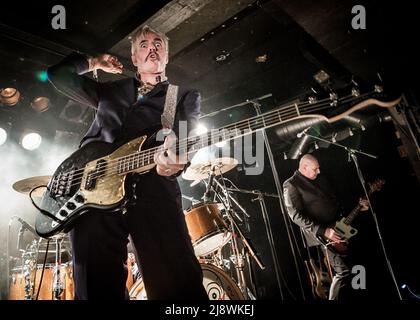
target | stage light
x=9, y=96
x=3, y=136
x=31, y=141
x=40, y=104
x=42, y=76
x=220, y=144
x=201, y=129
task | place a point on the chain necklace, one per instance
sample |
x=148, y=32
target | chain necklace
x=145, y=87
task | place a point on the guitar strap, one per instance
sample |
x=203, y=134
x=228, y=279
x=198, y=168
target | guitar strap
x=169, y=110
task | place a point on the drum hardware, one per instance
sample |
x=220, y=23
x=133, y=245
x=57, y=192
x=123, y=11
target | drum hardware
x=192, y=199
x=212, y=174
x=244, y=240
x=26, y=275
x=237, y=258
x=58, y=286
x=209, y=214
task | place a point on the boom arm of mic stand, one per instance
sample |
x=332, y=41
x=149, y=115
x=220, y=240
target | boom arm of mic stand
x=232, y=198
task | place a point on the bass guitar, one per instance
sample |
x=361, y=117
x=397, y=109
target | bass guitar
x=94, y=175
x=343, y=226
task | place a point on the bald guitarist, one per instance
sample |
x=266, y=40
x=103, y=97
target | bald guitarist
x=312, y=205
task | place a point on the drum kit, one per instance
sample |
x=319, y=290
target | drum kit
x=222, y=250
x=217, y=239
x=36, y=276
x=43, y=271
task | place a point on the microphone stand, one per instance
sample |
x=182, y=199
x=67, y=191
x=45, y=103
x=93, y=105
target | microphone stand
x=276, y=263
x=352, y=155
x=244, y=240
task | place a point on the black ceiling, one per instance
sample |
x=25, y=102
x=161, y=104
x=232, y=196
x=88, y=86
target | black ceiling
x=216, y=46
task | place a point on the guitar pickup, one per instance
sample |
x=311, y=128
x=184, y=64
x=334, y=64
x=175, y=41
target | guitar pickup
x=93, y=176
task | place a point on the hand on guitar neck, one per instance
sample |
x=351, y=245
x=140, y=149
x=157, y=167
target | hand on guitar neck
x=338, y=240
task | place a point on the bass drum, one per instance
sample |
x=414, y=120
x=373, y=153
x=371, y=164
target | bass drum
x=218, y=284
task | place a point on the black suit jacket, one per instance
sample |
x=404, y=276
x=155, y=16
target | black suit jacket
x=311, y=205
x=112, y=100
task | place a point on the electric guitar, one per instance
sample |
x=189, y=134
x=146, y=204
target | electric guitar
x=320, y=279
x=344, y=228
x=94, y=175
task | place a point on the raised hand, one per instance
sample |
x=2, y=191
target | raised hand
x=105, y=62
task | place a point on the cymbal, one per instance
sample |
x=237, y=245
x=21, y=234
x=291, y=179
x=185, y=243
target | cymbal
x=26, y=185
x=200, y=171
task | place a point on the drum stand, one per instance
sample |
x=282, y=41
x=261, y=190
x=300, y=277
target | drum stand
x=238, y=257
x=58, y=285
x=29, y=263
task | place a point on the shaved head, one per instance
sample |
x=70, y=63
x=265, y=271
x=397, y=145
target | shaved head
x=307, y=159
x=309, y=166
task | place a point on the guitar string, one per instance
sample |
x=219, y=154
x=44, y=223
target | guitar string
x=148, y=152
x=267, y=119
x=146, y=155
x=148, y=159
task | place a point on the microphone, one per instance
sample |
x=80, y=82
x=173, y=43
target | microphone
x=300, y=134
x=26, y=226
x=206, y=196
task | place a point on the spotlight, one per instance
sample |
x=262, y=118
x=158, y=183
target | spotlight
x=221, y=144
x=3, y=136
x=31, y=141
x=9, y=96
x=40, y=104
x=201, y=129
x=42, y=76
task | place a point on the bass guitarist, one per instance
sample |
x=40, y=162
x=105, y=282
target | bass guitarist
x=154, y=217
x=312, y=205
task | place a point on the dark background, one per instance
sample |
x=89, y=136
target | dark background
x=214, y=47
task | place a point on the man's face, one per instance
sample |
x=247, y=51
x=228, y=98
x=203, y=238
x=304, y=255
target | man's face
x=150, y=54
x=312, y=170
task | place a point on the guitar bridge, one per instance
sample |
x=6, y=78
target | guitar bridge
x=63, y=184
